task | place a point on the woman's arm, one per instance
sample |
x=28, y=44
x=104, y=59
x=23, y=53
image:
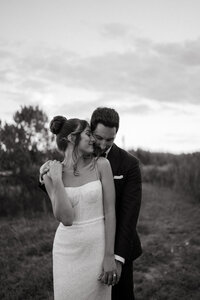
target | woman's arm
x=62, y=207
x=106, y=176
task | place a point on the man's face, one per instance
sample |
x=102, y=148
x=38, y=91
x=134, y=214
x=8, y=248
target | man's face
x=104, y=137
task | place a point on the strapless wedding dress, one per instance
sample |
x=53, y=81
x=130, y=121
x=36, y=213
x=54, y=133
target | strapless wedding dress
x=78, y=250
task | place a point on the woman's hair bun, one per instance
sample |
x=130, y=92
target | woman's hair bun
x=57, y=123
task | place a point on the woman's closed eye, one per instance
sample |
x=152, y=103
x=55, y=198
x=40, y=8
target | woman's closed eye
x=88, y=133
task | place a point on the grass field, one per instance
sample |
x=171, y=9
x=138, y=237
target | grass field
x=169, y=226
x=168, y=269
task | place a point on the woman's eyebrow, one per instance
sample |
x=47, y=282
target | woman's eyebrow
x=88, y=131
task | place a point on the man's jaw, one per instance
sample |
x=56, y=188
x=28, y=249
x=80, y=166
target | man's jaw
x=98, y=151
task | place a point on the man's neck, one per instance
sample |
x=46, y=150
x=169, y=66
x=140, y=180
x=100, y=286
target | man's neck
x=107, y=151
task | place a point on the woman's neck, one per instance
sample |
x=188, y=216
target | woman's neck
x=71, y=158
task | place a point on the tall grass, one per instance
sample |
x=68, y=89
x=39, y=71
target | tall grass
x=21, y=195
x=187, y=174
x=169, y=228
x=181, y=172
x=25, y=258
x=169, y=268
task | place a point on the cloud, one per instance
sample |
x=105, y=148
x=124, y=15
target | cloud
x=114, y=30
x=162, y=73
x=82, y=109
x=5, y=54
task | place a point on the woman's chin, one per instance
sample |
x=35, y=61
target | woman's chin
x=89, y=151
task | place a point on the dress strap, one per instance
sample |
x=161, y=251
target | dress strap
x=96, y=169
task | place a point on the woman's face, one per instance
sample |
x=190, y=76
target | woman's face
x=86, y=142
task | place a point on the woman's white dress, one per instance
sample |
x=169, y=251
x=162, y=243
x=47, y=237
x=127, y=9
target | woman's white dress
x=78, y=250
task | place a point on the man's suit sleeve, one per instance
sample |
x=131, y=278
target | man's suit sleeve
x=128, y=211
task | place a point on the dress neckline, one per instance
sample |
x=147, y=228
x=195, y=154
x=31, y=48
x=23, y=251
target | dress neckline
x=79, y=186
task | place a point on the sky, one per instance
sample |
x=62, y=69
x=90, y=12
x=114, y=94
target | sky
x=140, y=57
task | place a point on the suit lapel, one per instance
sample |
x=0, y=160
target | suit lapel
x=114, y=158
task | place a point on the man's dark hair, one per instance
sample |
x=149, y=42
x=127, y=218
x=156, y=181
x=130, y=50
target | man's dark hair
x=106, y=116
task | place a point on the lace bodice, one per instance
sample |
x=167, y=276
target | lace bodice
x=87, y=201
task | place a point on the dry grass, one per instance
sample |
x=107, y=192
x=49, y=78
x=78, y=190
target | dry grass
x=25, y=258
x=168, y=269
x=169, y=227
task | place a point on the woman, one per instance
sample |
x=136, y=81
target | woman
x=82, y=193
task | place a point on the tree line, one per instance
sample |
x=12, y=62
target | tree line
x=27, y=143
x=24, y=146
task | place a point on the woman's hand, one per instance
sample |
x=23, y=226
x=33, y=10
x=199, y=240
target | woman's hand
x=109, y=272
x=55, y=170
x=44, y=169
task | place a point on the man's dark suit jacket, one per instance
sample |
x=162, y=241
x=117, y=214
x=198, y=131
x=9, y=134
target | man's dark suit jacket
x=128, y=187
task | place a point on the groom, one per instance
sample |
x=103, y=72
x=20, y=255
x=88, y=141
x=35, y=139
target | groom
x=127, y=178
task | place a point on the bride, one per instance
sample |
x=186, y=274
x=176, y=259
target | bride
x=82, y=194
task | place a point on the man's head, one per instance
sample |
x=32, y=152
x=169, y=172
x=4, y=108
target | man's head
x=104, y=125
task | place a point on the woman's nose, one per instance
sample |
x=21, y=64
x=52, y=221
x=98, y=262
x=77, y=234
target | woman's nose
x=92, y=139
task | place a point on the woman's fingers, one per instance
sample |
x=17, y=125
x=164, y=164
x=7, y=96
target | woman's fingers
x=100, y=276
x=109, y=278
x=105, y=278
x=45, y=167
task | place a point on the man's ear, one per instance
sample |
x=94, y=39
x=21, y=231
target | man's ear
x=71, y=138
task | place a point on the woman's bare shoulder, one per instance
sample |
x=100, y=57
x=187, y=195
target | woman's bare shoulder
x=102, y=163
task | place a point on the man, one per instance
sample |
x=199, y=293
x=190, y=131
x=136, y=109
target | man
x=127, y=178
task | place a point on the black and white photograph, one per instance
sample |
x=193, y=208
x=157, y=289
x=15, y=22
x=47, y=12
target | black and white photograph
x=99, y=149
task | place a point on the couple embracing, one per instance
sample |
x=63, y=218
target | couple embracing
x=96, y=195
